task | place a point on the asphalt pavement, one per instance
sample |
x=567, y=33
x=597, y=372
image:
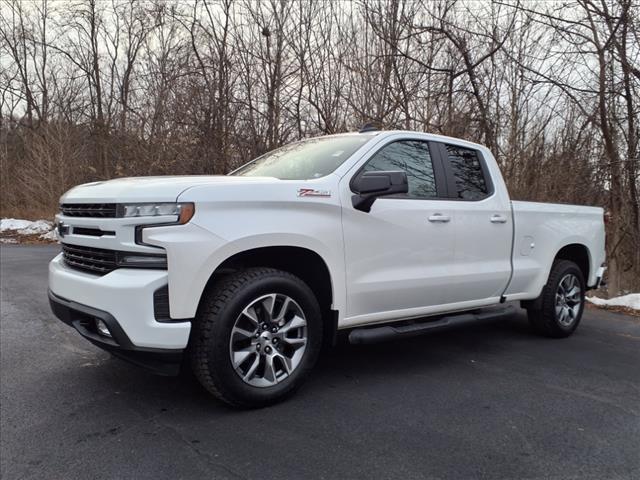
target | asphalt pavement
x=489, y=401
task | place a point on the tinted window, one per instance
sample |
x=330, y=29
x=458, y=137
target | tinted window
x=467, y=172
x=412, y=157
x=304, y=160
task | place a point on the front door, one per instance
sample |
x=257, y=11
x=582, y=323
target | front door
x=400, y=256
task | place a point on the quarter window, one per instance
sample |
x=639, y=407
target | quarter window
x=467, y=172
x=413, y=157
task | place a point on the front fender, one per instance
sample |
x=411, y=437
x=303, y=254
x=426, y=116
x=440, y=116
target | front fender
x=194, y=253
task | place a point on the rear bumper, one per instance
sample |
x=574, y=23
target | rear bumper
x=599, y=279
x=83, y=319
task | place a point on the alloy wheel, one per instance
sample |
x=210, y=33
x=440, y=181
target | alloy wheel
x=568, y=300
x=268, y=340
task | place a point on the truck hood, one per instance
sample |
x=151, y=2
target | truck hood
x=148, y=189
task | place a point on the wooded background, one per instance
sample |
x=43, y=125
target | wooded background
x=100, y=89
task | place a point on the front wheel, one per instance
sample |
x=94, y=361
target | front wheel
x=561, y=303
x=257, y=335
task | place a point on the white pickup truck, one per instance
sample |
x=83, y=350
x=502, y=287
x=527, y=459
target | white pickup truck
x=246, y=276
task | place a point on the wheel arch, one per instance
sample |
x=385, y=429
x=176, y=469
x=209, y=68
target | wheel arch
x=579, y=254
x=576, y=252
x=304, y=263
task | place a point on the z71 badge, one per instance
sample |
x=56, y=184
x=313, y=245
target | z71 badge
x=312, y=192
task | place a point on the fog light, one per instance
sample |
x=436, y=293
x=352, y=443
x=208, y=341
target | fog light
x=102, y=328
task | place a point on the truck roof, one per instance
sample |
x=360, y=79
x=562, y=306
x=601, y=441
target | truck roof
x=430, y=136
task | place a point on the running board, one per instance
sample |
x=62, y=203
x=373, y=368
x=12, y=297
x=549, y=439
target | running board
x=390, y=332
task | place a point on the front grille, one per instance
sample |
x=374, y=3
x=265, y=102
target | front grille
x=94, y=260
x=100, y=210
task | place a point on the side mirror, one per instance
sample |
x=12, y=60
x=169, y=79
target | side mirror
x=371, y=185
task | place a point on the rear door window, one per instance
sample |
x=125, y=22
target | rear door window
x=467, y=171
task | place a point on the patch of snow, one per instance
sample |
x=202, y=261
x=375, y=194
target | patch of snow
x=13, y=229
x=631, y=300
x=25, y=227
x=52, y=235
x=39, y=226
x=13, y=224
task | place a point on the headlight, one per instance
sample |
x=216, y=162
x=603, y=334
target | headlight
x=183, y=211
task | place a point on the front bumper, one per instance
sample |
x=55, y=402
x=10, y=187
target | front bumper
x=127, y=294
x=123, y=299
x=83, y=318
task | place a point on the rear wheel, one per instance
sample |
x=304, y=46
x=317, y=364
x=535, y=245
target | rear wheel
x=560, y=306
x=257, y=335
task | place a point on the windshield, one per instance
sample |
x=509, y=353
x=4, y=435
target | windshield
x=304, y=160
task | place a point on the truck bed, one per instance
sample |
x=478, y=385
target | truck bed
x=541, y=230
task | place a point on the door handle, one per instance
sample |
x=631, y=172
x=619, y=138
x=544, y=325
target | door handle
x=438, y=217
x=498, y=219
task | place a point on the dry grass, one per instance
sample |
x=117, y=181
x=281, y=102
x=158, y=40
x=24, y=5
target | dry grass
x=624, y=310
x=11, y=237
x=27, y=213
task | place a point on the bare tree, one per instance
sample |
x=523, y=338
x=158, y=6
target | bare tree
x=93, y=89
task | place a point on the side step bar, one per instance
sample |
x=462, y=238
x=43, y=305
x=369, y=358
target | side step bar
x=390, y=332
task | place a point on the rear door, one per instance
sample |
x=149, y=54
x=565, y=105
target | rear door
x=483, y=227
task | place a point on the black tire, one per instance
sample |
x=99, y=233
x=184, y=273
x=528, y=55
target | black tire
x=542, y=314
x=217, y=314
